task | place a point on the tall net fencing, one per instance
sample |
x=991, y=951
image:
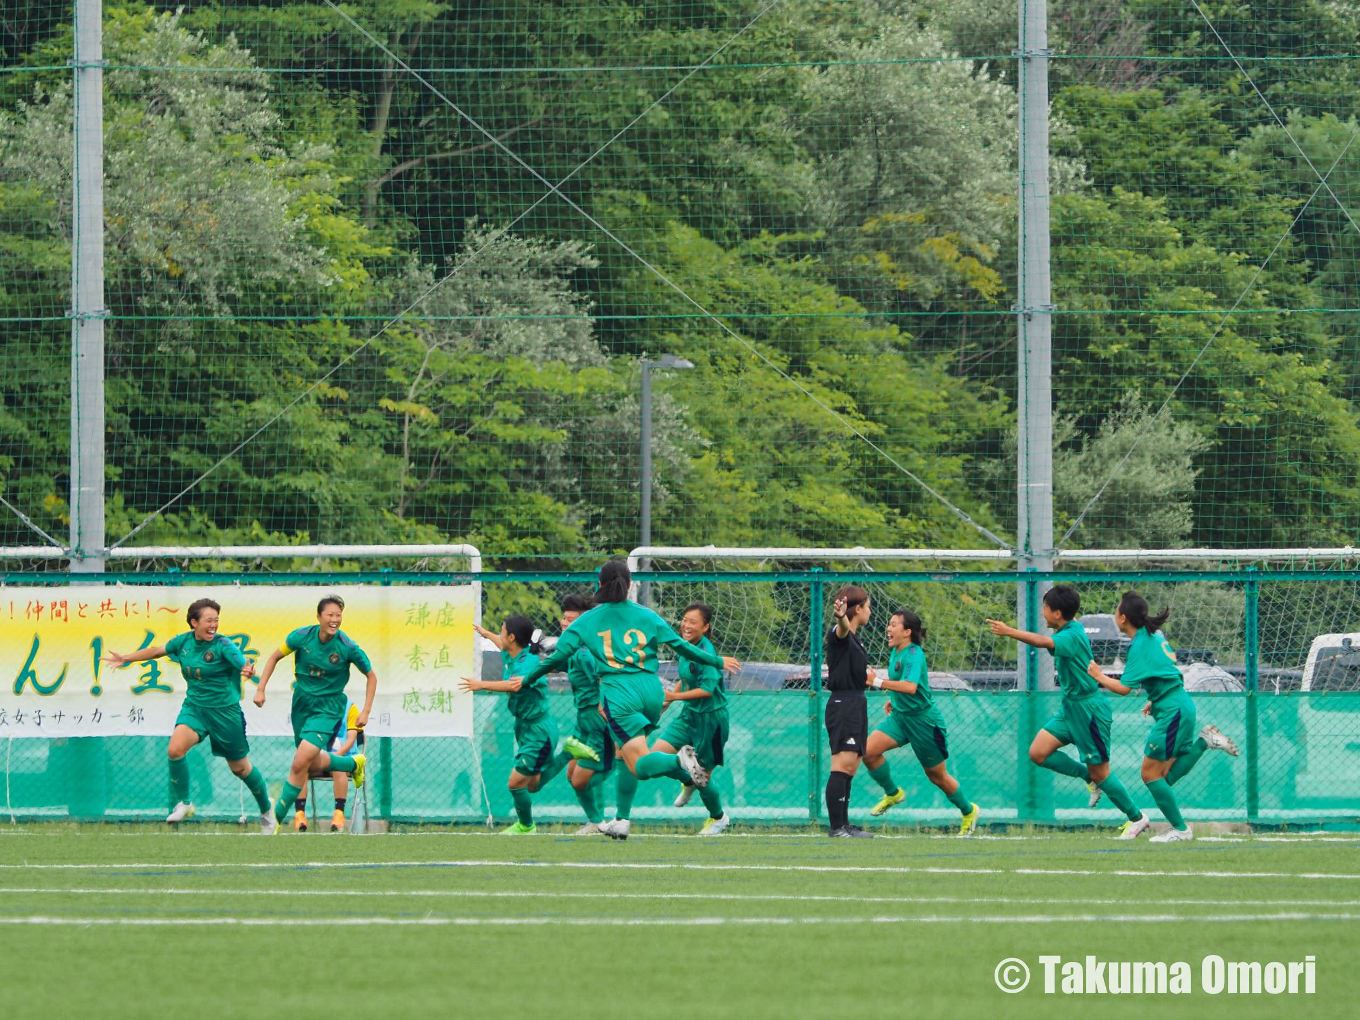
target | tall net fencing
x=1271, y=659
x=388, y=272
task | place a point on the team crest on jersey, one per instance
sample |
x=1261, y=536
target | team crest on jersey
x=209, y=656
x=335, y=658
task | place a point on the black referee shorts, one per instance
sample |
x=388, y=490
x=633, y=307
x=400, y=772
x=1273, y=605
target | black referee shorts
x=847, y=722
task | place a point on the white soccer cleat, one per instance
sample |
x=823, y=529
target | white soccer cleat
x=1217, y=741
x=183, y=810
x=689, y=761
x=715, y=826
x=1132, y=830
x=686, y=794
x=268, y=823
x=617, y=829
x=590, y=829
x=1096, y=793
x=1174, y=836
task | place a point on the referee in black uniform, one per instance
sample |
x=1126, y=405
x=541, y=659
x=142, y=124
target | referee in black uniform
x=847, y=710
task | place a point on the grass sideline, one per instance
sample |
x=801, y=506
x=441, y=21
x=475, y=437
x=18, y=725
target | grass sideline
x=135, y=921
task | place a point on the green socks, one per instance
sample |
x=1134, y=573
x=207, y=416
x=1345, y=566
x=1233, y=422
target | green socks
x=709, y=795
x=523, y=806
x=958, y=799
x=883, y=777
x=590, y=803
x=1119, y=797
x=341, y=763
x=625, y=789
x=1060, y=761
x=179, y=781
x=1186, y=762
x=255, y=784
x=1166, y=801
x=657, y=763
x=285, y=801
x=555, y=766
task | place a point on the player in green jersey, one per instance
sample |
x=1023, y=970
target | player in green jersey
x=623, y=638
x=213, y=669
x=702, y=721
x=323, y=655
x=589, y=752
x=1172, y=750
x=914, y=719
x=535, y=732
x=1084, y=717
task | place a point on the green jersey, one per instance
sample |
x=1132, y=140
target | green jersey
x=697, y=676
x=211, y=669
x=529, y=704
x=623, y=638
x=322, y=667
x=1152, y=665
x=584, y=680
x=909, y=663
x=1071, y=656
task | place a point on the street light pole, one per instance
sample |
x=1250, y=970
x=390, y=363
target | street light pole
x=665, y=361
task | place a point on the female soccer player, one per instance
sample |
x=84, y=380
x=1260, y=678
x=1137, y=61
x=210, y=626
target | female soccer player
x=914, y=719
x=213, y=669
x=535, y=732
x=702, y=722
x=590, y=749
x=1171, y=751
x=1084, y=717
x=324, y=654
x=847, y=709
x=340, y=744
x=623, y=637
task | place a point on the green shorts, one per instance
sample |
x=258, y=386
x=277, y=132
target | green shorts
x=706, y=732
x=1084, y=722
x=1173, y=730
x=224, y=727
x=317, y=720
x=924, y=731
x=535, y=743
x=632, y=708
x=593, y=731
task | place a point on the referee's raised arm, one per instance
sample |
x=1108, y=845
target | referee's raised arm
x=847, y=709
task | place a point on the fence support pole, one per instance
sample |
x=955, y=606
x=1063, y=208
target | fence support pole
x=385, y=778
x=1034, y=799
x=1253, y=644
x=817, y=624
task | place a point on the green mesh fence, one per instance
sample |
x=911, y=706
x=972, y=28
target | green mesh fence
x=1267, y=657
x=387, y=271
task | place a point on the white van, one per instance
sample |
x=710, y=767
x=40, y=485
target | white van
x=1326, y=754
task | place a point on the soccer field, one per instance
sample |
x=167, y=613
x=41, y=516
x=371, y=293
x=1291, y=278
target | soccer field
x=124, y=922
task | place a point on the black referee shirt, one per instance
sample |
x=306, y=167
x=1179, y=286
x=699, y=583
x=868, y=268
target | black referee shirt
x=846, y=661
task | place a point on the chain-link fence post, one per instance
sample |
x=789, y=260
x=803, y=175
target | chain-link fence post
x=816, y=625
x=1253, y=649
x=1034, y=788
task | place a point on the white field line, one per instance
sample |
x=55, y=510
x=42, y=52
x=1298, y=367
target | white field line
x=749, y=897
x=648, y=922
x=705, y=866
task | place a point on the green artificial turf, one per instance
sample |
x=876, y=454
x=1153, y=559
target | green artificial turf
x=762, y=925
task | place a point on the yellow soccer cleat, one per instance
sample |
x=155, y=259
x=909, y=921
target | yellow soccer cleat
x=359, y=761
x=300, y=821
x=338, y=821
x=969, y=824
x=891, y=799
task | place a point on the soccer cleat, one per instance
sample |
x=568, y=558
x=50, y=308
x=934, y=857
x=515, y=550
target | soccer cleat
x=1095, y=794
x=300, y=821
x=689, y=761
x=850, y=832
x=1132, y=830
x=968, y=824
x=579, y=749
x=591, y=829
x=888, y=801
x=519, y=829
x=1174, y=836
x=617, y=829
x=715, y=826
x=184, y=809
x=685, y=794
x=1217, y=741
x=360, y=760
x=269, y=825
x=338, y=821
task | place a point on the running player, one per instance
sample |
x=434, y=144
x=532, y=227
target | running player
x=323, y=656
x=535, y=732
x=1171, y=751
x=702, y=722
x=339, y=780
x=914, y=719
x=623, y=637
x=1084, y=716
x=590, y=748
x=213, y=669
